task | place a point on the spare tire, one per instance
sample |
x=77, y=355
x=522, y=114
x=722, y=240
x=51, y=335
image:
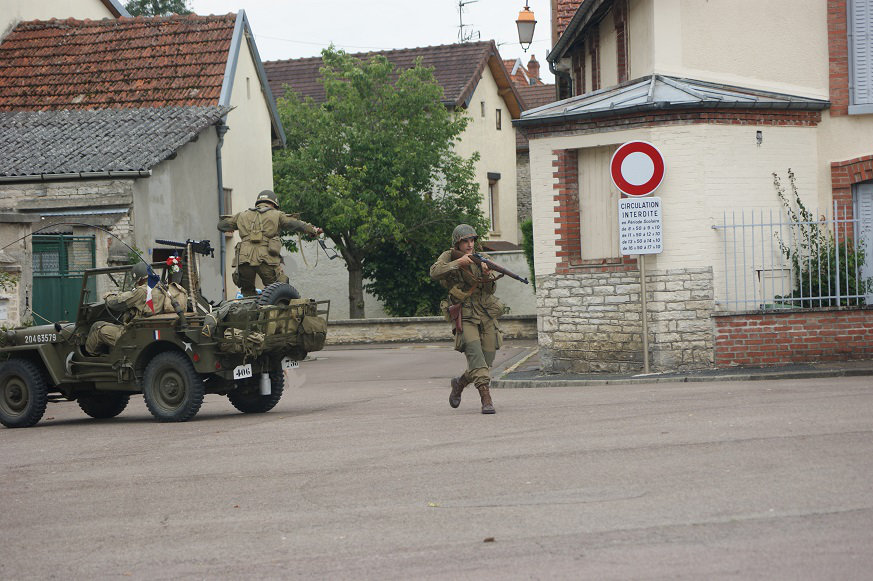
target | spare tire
x=278, y=293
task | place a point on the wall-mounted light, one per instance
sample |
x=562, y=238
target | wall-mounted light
x=526, y=24
x=759, y=137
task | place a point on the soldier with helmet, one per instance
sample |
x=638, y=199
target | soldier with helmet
x=258, y=251
x=128, y=305
x=471, y=289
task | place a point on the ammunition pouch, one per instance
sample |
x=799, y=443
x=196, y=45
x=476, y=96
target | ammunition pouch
x=274, y=246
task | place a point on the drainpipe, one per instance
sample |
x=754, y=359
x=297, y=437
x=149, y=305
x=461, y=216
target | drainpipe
x=221, y=129
x=563, y=74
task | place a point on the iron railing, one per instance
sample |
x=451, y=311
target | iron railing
x=773, y=262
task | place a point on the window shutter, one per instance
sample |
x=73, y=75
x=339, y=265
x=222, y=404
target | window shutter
x=864, y=215
x=862, y=51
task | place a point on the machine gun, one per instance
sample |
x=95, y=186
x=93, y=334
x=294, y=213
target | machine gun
x=203, y=247
x=192, y=248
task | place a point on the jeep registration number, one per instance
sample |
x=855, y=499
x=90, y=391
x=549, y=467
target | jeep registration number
x=242, y=371
x=41, y=338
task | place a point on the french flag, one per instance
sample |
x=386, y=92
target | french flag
x=154, y=279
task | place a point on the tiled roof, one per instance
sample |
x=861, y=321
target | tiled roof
x=533, y=96
x=39, y=143
x=457, y=68
x=128, y=62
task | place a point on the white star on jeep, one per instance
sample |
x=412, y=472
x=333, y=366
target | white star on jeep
x=187, y=346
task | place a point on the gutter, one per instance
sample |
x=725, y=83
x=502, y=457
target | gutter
x=647, y=107
x=82, y=175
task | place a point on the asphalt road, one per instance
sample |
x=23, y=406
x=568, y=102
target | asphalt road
x=363, y=471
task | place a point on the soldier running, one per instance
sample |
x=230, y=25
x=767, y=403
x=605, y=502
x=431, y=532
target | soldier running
x=474, y=309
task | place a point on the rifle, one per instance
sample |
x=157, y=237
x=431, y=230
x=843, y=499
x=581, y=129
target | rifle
x=479, y=259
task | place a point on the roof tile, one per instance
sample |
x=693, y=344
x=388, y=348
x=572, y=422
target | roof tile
x=141, y=62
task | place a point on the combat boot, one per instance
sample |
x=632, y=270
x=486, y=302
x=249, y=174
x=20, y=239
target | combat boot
x=458, y=385
x=485, y=394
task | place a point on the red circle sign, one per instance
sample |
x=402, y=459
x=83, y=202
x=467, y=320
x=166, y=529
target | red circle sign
x=637, y=168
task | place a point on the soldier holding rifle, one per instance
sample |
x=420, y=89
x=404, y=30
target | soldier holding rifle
x=473, y=310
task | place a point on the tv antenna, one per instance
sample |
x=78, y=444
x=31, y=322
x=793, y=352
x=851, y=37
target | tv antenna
x=464, y=36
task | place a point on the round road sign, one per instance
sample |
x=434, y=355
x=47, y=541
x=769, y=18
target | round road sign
x=637, y=168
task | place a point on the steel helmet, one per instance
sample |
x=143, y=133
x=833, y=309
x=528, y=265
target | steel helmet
x=268, y=196
x=140, y=270
x=462, y=231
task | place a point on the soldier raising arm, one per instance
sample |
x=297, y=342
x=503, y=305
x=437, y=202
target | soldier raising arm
x=257, y=252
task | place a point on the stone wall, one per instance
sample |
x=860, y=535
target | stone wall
x=522, y=180
x=590, y=321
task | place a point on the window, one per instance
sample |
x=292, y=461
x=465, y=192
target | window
x=248, y=88
x=861, y=56
x=482, y=104
x=499, y=113
x=494, y=201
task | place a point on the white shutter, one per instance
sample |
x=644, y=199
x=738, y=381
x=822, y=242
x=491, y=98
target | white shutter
x=861, y=48
x=864, y=215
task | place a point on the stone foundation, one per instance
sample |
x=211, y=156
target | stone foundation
x=590, y=321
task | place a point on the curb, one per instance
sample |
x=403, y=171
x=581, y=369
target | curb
x=556, y=381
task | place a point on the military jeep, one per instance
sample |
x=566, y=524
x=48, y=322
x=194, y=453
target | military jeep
x=238, y=348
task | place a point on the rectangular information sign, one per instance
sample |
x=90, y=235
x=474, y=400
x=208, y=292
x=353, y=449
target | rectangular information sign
x=639, y=225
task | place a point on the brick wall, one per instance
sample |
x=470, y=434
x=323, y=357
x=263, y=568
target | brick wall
x=590, y=321
x=838, y=57
x=793, y=337
x=562, y=13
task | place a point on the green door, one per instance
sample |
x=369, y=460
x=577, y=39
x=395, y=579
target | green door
x=58, y=263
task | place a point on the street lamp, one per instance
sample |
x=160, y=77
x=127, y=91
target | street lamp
x=526, y=24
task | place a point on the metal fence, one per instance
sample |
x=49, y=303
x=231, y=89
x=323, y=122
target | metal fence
x=776, y=261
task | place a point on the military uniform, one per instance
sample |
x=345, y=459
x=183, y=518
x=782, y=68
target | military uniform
x=480, y=337
x=258, y=251
x=132, y=305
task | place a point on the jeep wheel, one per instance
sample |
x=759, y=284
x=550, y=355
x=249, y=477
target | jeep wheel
x=103, y=405
x=248, y=399
x=172, y=389
x=278, y=293
x=23, y=394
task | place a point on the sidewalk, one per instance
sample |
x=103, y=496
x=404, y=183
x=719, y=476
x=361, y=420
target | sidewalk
x=523, y=371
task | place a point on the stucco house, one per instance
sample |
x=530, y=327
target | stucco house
x=15, y=11
x=473, y=78
x=730, y=96
x=192, y=91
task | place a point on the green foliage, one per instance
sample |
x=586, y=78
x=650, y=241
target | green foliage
x=157, y=7
x=527, y=245
x=821, y=266
x=374, y=166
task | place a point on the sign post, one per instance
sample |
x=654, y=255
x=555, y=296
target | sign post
x=637, y=169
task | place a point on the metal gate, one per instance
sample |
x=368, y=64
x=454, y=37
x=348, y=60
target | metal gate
x=58, y=263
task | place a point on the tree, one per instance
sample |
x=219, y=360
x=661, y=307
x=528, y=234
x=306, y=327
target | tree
x=374, y=166
x=157, y=7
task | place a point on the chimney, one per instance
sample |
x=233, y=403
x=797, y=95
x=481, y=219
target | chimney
x=533, y=70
